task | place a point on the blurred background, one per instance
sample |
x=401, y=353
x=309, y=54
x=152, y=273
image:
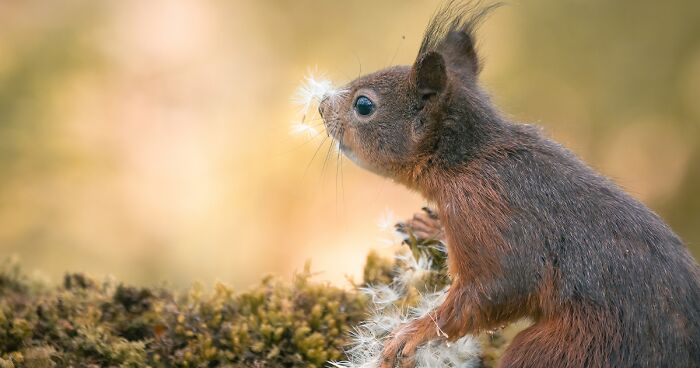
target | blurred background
x=149, y=140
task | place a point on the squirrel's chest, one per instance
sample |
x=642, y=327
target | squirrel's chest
x=475, y=243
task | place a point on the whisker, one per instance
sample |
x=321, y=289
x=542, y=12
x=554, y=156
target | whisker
x=309, y=96
x=325, y=161
x=314, y=120
x=403, y=38
x=359, y=63
x=337, y=169
x=340, y=163
x=301, y=145
x=314, y=156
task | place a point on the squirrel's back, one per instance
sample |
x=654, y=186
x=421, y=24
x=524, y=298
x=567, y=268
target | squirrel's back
x=600, y=255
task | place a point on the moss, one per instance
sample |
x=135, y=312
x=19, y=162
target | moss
x=87, y=323
x=378, y=270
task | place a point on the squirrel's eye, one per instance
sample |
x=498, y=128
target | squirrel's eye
x=364, y=106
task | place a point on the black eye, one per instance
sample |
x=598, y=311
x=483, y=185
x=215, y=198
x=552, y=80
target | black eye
x=364, y=106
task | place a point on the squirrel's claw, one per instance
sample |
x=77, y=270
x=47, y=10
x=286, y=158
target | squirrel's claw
x=431, y=213
x=401, y=227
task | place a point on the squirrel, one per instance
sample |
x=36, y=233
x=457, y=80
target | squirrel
x=531, y=230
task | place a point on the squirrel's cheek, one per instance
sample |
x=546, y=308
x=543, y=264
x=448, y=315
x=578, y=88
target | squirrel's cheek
x=352, y=155
x=362, y=159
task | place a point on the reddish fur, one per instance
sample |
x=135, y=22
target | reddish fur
x=581, y=258
x=575, y=338
x=474, y=214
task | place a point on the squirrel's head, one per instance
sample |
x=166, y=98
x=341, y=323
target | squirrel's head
x=397, y=120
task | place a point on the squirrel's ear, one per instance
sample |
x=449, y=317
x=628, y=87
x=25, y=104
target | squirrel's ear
x=460, y=53
x=430, y=75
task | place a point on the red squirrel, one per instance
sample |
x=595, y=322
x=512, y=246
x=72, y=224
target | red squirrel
x=531, y=230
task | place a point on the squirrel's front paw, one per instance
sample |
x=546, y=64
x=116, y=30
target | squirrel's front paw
x=396, y=351
x=405, y=341
x=423, y=225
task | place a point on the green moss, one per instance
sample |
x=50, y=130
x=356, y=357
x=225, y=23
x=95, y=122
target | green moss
x=87, y=323
x=377, y=270
x=84, y=322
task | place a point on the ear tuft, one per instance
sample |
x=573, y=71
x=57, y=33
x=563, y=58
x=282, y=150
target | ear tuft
x=430, y=74
x=451, y=32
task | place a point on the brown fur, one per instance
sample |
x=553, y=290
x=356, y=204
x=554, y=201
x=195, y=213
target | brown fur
x=531, y=231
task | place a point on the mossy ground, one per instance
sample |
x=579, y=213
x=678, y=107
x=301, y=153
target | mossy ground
x=87, y=323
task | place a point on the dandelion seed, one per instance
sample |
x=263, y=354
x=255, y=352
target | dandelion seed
x=415, y=270
x=428, y=303
x=387, y=220
x=382, y=295
x=312, y=91
x=369, y=337
x=300, y=128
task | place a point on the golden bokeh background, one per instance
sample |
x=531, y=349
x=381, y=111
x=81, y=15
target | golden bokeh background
x=149, y=140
